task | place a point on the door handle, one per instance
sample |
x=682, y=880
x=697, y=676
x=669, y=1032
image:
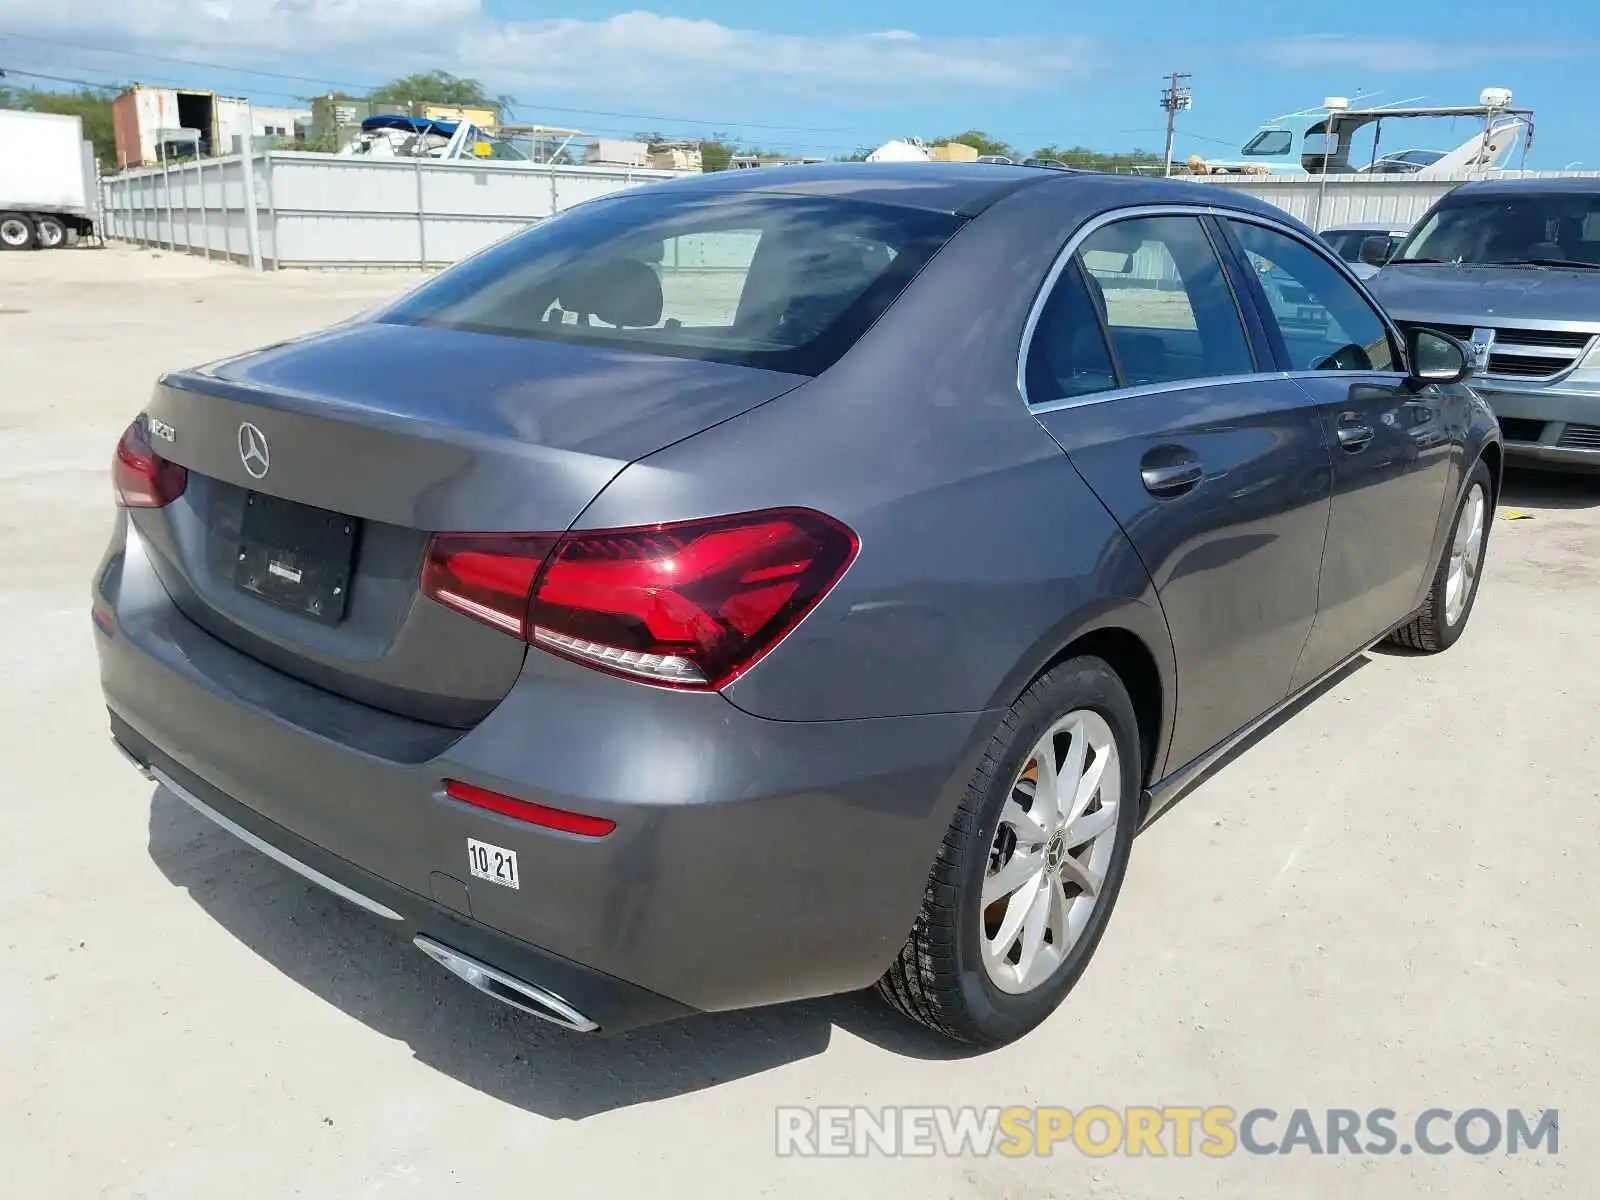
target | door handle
x=1169, y=479
x=1353, y=433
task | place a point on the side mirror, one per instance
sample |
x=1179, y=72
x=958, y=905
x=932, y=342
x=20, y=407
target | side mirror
x=1436, y=357
x=1375, y=251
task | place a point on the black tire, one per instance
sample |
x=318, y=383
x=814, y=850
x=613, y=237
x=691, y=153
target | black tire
x=50, y=232
x=939, y=978
x=17, y=231
x=1431, y=630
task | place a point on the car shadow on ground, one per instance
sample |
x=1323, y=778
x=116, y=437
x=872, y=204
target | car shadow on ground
x=359, y=966
x=1549, y=489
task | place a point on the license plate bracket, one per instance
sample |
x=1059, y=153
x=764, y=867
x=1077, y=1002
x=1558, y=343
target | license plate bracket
x=295, y=556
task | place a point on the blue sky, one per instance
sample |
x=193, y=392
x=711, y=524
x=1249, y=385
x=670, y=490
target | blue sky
x=826, y=76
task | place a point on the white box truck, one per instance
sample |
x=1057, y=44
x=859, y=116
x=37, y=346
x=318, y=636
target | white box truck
x=48, y=185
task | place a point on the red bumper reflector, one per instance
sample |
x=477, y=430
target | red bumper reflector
x=526, y=810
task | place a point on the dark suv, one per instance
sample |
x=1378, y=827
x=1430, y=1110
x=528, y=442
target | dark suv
x=1513, y=268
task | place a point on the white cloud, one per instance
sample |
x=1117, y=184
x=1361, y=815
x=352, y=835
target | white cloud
x=1399, y=55
x=272, y=25
x=624, y=60
x=659, y=54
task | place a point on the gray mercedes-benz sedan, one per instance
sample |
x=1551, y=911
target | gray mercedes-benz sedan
x=777, y=583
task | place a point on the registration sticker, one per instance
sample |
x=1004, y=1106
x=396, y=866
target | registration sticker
x=494, y=863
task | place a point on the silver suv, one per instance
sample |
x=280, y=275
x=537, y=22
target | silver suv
x=1513, y=268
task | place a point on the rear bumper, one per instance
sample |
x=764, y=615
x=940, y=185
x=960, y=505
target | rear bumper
x=1550, y=426
x=612, y=1004
x=753, y=861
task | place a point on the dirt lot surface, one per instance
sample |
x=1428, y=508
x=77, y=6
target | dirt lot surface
x=1389, y=902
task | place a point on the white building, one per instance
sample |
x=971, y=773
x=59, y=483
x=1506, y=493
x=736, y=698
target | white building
x=613, y=152
x=269, y=122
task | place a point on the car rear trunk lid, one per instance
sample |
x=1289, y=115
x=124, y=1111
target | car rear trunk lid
x=319, y=467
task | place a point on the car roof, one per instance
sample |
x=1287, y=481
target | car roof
x=965, y=189
x=1507, y=187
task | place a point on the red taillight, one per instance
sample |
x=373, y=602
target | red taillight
x=142, y=478
x=693, y=604
x=489, y=577
x=526, y=810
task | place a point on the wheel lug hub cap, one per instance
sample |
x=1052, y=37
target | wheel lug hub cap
x=1055, y=852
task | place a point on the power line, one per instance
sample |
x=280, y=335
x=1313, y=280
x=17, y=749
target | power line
x=620, y=131
x=122, y=83
x=678, y=122
x=368, y=87
x=187, y=62
x=103, y=87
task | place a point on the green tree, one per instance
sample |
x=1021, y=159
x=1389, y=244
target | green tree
x=438, y=87
x=91, y=105
x=1099, y=160
x=715, y=154
x=979, y=141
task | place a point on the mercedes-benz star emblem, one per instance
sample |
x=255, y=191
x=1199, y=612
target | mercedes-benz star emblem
x=253, y=452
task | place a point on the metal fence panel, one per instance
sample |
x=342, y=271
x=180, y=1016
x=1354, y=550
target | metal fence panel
x=319, y=210
x=1324, y=203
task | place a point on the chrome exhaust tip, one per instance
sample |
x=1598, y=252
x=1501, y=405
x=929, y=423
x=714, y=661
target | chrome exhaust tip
x=519, y=994
x=142, y=768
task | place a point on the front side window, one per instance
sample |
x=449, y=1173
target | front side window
x=1168, y=307
x=1326, y=323
x=1270, y=142
x=783, y=282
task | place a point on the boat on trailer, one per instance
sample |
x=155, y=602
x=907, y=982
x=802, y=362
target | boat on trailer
x=1323, y=140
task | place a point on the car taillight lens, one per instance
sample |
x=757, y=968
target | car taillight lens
x=142, y=478
x=692, y=605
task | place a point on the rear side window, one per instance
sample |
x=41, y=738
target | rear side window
x=787, y=283
x=1068, y=355
x=1326, y=324
x=1168, y=307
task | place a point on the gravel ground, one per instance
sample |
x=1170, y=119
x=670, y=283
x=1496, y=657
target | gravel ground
x=1381, y=904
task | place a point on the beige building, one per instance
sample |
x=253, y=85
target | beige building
x=954, y=152
x=483, y=118
x=676, y=158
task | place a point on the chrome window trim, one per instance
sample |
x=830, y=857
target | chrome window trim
x=1088, y=228
x=1150, y=389
x=1389, y=377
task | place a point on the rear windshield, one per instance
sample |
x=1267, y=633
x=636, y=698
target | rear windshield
x=787, y=283
x=1548, y=228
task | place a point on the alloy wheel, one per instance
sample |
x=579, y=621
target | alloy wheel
x=1051, y=852
x=1466, y=554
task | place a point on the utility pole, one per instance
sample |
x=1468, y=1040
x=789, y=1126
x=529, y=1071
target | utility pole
x=1175, y=99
